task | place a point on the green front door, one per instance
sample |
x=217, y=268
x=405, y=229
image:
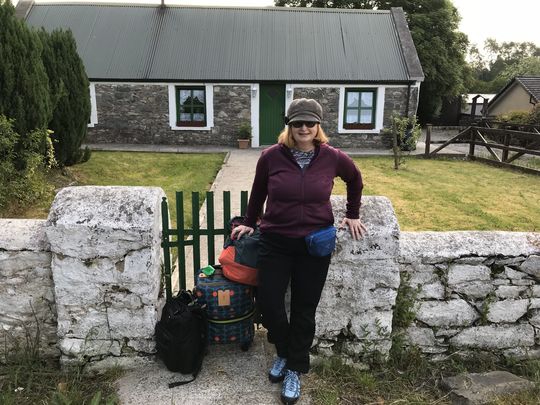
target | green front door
x=271, y=112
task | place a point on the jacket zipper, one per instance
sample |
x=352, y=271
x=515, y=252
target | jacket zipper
x=302, y=177
x=302, y=172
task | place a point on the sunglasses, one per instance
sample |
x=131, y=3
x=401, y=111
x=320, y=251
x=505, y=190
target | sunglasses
x=300, y=124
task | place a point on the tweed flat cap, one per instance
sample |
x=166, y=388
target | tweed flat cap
x=304, y=109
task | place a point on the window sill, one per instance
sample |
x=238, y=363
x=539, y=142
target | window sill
x=342, y=130
x=359, y=126
x=175, y=128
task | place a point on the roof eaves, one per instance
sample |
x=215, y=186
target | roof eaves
x=412, y=62
x=23, y=8
x=214, y=7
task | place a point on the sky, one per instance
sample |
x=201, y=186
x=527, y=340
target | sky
x=504, y=20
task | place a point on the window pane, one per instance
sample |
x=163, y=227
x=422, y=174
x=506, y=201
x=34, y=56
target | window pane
x=365, y=117
x=184, y=95
x=352, y=117
x=198, y=96
x=191, y=108
x=367, y=100
x=352, y=99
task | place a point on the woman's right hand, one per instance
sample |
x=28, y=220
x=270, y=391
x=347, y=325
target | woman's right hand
x=240, y=230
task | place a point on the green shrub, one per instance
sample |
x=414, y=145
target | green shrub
x=70, y=96
x=244, y=130
x=24, y=162
x=514, y=117
x=522, y=117
x=24, y=85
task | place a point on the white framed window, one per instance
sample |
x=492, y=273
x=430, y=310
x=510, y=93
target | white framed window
x=361, y=109
x=191, y=106
x=93, y=104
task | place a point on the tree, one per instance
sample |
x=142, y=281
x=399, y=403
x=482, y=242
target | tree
x=501, y=63
x=69, y=89
x=23, y=80
x=441, y=47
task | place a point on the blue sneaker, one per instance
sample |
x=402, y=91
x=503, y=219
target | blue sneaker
x=277, y=372
x=290, y=392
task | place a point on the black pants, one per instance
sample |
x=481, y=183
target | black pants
x=282, y=259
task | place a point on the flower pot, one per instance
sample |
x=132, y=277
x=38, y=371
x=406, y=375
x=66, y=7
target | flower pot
x=244, y=143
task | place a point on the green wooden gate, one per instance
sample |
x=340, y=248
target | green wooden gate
x=271, y=112
x=175, y=240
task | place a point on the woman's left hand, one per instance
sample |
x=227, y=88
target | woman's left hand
x=356, y=227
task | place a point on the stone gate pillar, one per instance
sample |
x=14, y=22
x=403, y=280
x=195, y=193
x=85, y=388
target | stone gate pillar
x=106, y=266
x=354, y=317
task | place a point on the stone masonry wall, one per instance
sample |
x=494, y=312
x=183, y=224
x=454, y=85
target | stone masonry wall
x=354, y=317
x=395, y=103
x=106, y=266
x=27, y=303
x=90, y=277
x=474, y=291
x=139, y=114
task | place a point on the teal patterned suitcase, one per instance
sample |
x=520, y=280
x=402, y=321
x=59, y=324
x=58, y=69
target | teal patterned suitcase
x=230, y=308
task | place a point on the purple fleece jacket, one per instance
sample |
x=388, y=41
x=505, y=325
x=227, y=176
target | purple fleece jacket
x=298, y=202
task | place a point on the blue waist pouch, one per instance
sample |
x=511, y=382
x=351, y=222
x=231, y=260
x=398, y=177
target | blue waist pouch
x=321, y=242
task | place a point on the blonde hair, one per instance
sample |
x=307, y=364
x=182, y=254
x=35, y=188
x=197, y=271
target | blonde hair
x=287, y=139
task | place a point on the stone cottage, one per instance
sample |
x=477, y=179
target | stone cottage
x=192, y=75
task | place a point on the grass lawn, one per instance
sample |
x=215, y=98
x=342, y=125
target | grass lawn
x=444, y=195
x=437, y=195
x=410, y=378
x=171, y=172
x=25, y=379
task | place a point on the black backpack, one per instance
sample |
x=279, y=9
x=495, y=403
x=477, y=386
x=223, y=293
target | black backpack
x=181, y=336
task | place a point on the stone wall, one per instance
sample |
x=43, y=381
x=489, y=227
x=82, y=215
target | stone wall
x=90, y=278
x=106, y=266
x=395, y=103
x=27, y=304
x=139, y=113
x=355, y=314
x=473, y=291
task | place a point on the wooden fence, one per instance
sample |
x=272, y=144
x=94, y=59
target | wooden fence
x=511, y=143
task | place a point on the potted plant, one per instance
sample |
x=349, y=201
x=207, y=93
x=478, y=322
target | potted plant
x=244, y=135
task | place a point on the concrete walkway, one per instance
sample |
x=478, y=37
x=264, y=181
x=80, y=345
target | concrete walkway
x=236, y=175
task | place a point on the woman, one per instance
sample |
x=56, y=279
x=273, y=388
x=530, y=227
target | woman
x=295, y=178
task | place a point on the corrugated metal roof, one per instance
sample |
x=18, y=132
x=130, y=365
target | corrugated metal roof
x=143, y=42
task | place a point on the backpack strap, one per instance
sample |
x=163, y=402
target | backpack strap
x=178, y=383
